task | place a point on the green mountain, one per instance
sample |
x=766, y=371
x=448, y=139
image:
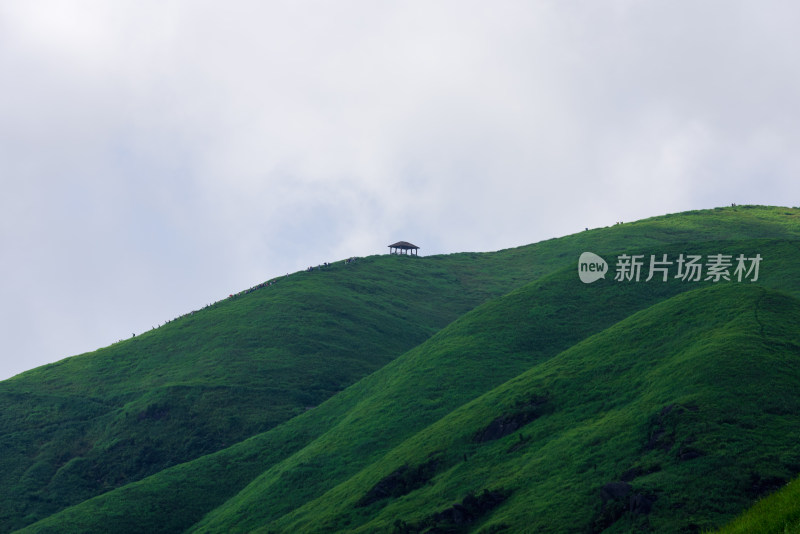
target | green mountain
x=485, y=392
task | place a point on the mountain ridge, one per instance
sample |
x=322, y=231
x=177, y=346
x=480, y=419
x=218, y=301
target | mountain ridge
x=471, y=282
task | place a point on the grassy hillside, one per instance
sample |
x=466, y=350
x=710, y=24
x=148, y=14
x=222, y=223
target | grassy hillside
x=164, y=418
x=87, y=424
x=686, y=405
x=477, y=352
x=408, y=373
x=481, y=350
x=778, y=513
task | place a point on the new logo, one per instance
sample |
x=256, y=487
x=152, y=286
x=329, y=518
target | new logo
x=591, y=267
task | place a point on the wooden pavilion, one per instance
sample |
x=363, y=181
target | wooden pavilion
x=403, y=247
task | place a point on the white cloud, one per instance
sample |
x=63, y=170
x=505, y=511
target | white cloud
x=158, y=155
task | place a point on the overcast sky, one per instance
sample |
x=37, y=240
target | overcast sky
x=156, y=156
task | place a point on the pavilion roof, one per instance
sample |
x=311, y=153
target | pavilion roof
x=403, y=244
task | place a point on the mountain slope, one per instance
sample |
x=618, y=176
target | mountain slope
x=415, y=376
x=474, y=354
x=87, y=424
x=458, y=364
x=778, y=513
x=692, y=402
x=256, y=362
